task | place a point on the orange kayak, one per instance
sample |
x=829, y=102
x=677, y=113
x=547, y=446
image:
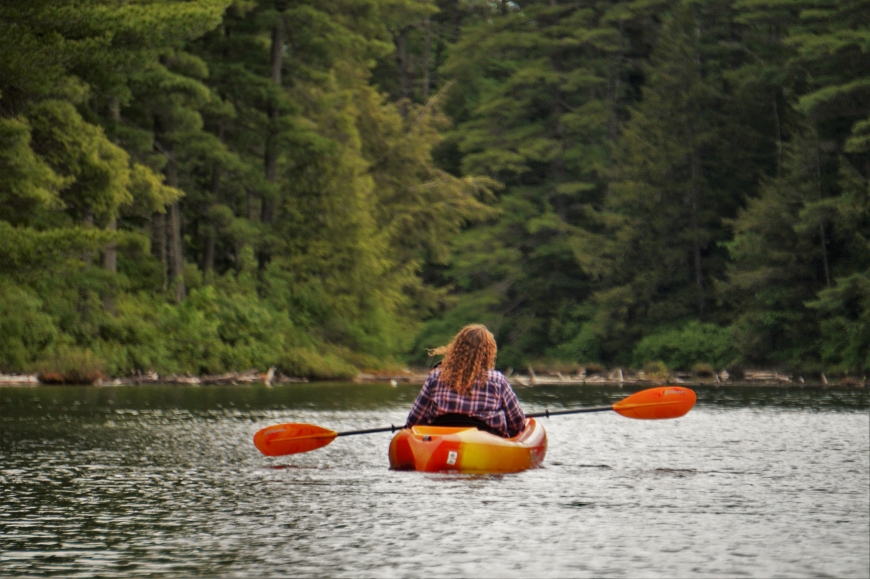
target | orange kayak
x=465, y=449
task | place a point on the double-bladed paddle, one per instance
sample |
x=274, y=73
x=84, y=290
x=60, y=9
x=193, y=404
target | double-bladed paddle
x=650, y=404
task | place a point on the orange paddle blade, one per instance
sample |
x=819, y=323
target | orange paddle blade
x=292, y=438
x=654, y=403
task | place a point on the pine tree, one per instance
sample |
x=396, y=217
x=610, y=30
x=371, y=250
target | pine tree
x=800, y=252
x=844, y=309
x=540, y=94
x=668, y=194
x=778, y=265
x=341, y=200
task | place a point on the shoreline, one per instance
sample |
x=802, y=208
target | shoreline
x=617, y=377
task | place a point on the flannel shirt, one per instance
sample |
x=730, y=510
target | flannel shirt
x=493, y=402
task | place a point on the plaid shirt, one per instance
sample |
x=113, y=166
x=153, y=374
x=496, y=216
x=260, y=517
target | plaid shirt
x=493, y=402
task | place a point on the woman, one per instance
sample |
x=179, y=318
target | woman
x=466, y=390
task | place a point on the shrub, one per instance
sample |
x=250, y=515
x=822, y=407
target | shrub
x=657, y=370
x=25, y=331
x=845, y=324
x=133, y=339
x=703, y=369
x=252, y=334
x=549, y=365
x=585, y=345
x=680, y=348
x=192, y=328
x=70, y=365
x=593, y=368
x=311, y=364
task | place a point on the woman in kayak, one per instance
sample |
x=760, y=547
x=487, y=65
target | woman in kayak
x=466, y=390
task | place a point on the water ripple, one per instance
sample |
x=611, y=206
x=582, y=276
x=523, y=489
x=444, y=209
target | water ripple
x=165, y=483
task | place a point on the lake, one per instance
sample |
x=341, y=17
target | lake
x=164, y=481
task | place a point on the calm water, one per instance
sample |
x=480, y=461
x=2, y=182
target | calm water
x=164, y=481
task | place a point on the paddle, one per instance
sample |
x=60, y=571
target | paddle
x=651, y=404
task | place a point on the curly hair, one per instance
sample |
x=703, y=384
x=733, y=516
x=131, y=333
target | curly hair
x=467, y=358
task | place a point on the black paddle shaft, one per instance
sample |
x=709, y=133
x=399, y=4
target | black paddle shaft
x=390, y=428
x=548, y=413
x=545, y=414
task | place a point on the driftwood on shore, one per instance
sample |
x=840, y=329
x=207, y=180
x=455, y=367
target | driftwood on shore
x=615, y=377
x=19, y=379
x=230, y=378
x=619, y=376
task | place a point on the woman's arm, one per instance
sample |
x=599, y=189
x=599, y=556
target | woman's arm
x=516, y=418
x=420, y=409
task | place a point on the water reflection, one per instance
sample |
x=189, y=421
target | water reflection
x=220, y=402
x=164, y=481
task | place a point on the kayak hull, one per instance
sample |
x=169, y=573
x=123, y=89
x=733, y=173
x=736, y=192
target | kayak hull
x=467, y=450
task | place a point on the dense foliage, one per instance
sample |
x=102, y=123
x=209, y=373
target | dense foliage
x=206, y=185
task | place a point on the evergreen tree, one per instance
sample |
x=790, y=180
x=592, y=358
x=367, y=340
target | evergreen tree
x=800, y=250
x=844, y=309
x=778, y=265
x=349, y=202
x=669, y=191
x=540, y=95
x=299, y=184
x=68, y=177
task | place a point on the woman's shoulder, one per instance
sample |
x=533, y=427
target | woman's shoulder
x=496, y=376
x=433, y=376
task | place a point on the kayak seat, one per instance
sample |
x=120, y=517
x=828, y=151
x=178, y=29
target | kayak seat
x=455, y=419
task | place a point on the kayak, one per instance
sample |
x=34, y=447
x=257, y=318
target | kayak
x=465, y=449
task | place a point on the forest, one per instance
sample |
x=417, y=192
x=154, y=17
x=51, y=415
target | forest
x=198, y=186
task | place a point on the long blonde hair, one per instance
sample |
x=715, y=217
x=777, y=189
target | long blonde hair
x=467, y=358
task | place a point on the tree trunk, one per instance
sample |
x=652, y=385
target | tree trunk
x=825, y=254
x=696, y=177
x=821, y=224
x=88, y=220
x=557, y=174
x=158, y=243
x=271, y=155
x=614, y=75
x=557, y=166
x=252, y=211
x=427, y=58
x=403, y=68
x=455, y=22
x=88, y=257
x=778, y=135
x=175, y=255
x=237, y=255
x=208, y=255
x=270, y=158
x=110, y=253
x=211, y=234
x=695, y=208
x=110, y=263
x=177, y=261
